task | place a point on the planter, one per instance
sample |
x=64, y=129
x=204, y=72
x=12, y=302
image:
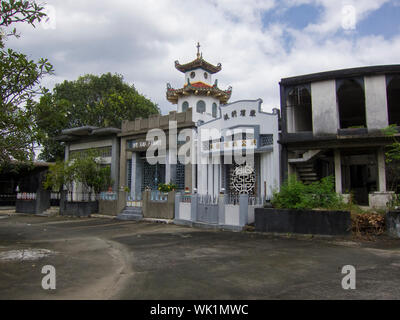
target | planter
x=302, y=221
x=26, y=206
x=79, y=209
x=34, y=206
x=393, y=223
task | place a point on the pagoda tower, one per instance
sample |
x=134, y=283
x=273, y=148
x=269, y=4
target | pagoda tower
x=198, y=91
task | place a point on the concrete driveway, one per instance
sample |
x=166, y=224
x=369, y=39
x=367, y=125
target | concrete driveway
x=109, y=259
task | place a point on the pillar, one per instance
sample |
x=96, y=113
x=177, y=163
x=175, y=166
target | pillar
x=381, y=171
x=338, y=171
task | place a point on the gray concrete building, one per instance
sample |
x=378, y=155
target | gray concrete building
x=332, y=125
x=103, y=140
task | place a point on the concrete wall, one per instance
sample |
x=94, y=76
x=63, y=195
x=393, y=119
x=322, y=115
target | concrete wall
x=376, y=102
x=108, y=207
x=159, y=209
x=324, y=107
x=302, y=221
x=90, y=144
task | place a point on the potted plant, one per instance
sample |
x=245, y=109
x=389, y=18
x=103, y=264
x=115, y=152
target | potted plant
x=167, y=187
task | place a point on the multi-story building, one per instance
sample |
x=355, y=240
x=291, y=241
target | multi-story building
x=332, y=125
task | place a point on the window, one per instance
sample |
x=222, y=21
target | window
x=192, y=74
x=299, y=110
x=185, y=106
x=393, y=100
x=214, y=110
x=351, y=104
x=201, y=106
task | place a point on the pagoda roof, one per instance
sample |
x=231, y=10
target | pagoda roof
x=199, y=62
x=199, y=89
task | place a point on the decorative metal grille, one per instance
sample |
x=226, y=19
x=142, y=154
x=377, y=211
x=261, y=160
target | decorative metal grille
x=242, y=180
x=129, y=172
x=153, y=175
x=180, y=176
x=266, y=140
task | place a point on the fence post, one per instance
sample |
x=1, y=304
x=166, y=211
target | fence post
x=193, y=207
x=222, y=199
x=177, y=204
x=243, y=209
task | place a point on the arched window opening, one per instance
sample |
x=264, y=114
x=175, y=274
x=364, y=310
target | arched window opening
x=214, y=110
x=299, y=110
x=351, y=104
x=201, y=106
x=393, y=100
x=185, y=106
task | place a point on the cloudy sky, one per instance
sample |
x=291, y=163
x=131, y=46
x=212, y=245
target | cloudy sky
x=258, y=42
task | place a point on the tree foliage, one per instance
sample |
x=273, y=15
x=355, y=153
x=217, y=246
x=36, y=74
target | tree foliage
x=19, y=83
x=86, y=170
x=102, y=101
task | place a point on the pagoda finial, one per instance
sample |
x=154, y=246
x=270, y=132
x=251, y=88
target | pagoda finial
x=198, y=49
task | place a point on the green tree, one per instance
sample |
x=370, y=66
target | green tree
x=102, y=101
x=85, y=169
x=393, y=158
x=19, y=83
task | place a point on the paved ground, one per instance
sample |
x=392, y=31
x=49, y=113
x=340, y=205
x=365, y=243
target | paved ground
x=109, y=259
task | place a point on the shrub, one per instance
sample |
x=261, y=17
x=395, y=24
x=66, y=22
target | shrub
x=294, y=194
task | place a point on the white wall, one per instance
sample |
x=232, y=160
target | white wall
x=199, y=76
x=232, y=215
x=270, y=159
x=184, y=211
x=192, y=100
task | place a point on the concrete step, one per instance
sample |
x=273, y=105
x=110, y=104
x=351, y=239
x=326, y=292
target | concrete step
x=51, y=212
x=131, y=213
x=129, y=216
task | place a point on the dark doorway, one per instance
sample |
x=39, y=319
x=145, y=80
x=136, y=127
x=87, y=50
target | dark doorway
x=351, y=103
x=359, y=174
x=299, y=104
x=393, y=100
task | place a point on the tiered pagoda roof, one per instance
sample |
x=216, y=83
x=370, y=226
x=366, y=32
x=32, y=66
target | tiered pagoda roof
x=199, y=89
x=199, y=62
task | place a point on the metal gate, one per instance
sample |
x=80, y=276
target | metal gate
x=207, y=209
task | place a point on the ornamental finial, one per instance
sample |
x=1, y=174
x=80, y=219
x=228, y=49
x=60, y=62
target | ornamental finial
x=198, y=49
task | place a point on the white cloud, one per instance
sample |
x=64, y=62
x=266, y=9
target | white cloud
x=142, y=39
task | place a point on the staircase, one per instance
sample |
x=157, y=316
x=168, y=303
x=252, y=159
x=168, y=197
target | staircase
x=50, y=212
x=131, y=213
x=306, y=172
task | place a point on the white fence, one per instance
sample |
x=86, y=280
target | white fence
x=224, y=210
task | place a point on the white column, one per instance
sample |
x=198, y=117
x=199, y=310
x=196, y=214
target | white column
x=167, y=168
x=210, y=179
x=381, y=171
x=216, y=179
x=338, y=171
